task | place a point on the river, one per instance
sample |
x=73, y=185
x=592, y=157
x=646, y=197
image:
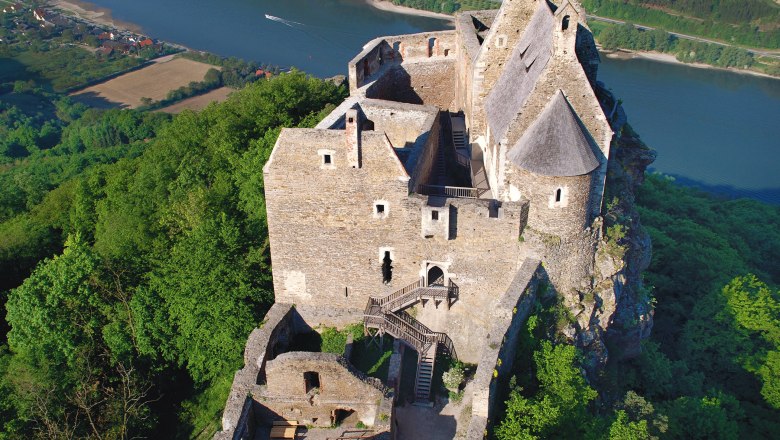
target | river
x=713, y=129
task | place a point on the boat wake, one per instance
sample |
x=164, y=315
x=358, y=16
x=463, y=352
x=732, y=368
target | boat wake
x=289, y=23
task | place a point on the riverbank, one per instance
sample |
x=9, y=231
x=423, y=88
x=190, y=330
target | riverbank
x=95, y=14
x=626, y=54
x=386, y=5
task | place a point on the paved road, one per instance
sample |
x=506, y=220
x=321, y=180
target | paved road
x=766, y=53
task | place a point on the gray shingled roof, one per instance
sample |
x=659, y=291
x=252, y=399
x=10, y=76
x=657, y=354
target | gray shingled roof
x=555, y=144
x=519, y=77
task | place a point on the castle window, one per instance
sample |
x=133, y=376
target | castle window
x=311, y=380
x=565, y=23
x=381, y=209
x=558, y=195
x=434, y=215
x=351, y=120
x=327, y=161
x=387, y=268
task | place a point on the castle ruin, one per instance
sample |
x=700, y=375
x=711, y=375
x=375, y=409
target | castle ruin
x=465, y=168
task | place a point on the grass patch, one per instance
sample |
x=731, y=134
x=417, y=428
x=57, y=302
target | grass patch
x=334, y=341
x=372, y=360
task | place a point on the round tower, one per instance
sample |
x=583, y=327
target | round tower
x=554, y=169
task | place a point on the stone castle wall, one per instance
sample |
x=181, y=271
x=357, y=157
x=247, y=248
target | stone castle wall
x=566, y=217
x=500, y=347
x=340, y=387
x=328, y=241
x=413, y=69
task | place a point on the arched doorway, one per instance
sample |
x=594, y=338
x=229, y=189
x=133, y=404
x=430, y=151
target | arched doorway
x=435, y=276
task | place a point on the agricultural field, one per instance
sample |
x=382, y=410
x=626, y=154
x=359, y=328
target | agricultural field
x=59, y=68
x=199, y=102
x=153, y=82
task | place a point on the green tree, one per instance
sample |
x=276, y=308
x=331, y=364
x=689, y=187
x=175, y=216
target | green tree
x=624, y=429
x=559, y=407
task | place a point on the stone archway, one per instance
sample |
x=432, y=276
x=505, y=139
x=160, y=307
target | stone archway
x=435, y=276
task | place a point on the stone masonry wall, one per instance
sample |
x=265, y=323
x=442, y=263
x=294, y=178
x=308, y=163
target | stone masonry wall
x=566, y=217
x=328, y=241
x=511, y=311
x=278, y=324
x=341, y=387
x=384, y=52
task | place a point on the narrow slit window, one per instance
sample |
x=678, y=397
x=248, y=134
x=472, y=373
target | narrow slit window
x=558, y=195
x=387, y=268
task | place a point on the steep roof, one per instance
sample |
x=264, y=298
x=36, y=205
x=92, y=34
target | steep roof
x=555, y=144
x=526, y=63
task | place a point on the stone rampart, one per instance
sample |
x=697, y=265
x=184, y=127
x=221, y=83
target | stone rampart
x=238, y=415
x=510, y=313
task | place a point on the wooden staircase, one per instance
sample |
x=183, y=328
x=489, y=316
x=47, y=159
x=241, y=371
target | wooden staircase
x=424, y=378
x=386, y=315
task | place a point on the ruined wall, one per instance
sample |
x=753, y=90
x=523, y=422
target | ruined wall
x=278, y=326
x=500, y=347
x=405, y=125
x=339, y=387
x=425, y=82
x=415, y=69
x=328, y=241
x=423, y=157
x=375, y=56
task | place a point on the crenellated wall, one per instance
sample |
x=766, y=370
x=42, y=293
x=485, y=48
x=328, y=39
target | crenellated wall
x=415, y=69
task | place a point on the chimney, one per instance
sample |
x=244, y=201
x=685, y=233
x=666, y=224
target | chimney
x=352, y=134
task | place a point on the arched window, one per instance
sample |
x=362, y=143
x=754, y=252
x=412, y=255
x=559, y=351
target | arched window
x=565, y=23
x=558, y=195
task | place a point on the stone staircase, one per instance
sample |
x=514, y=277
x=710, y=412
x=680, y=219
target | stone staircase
x=386, y=315
x=460, y=139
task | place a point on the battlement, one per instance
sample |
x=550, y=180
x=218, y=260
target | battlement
x=381, y=54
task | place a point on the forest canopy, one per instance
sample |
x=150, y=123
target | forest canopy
x=139, y=248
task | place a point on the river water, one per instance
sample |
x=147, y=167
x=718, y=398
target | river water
x=713, y=129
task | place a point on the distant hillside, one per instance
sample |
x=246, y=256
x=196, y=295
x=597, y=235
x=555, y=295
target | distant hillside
x=754, y=23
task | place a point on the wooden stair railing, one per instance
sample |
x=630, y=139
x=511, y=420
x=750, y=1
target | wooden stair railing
x=387, y=315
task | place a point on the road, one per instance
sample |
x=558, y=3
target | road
x=765, y=53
